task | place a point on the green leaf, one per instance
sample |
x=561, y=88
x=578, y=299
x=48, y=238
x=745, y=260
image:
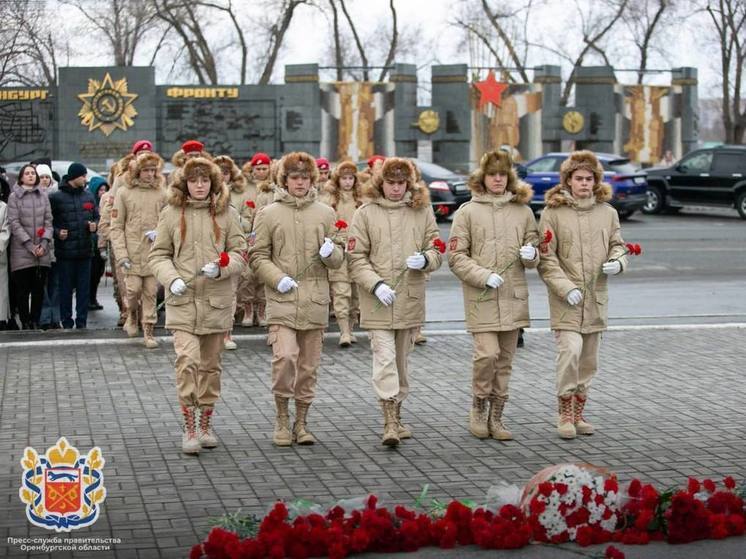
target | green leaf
x=245, y=526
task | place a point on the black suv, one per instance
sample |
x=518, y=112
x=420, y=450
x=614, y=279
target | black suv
x=704, y=177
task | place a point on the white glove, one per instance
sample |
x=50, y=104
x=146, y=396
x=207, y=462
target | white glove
x=494, y=281
x=126, y=264
x=286, y=284
x=327, y=248
x=574, y=297
x=178, y=287
x=612, y=268
x=150, y=235
x=104, y=254
x=527, y=252
x=211, y=270
x=385, y=294
x=417, y=261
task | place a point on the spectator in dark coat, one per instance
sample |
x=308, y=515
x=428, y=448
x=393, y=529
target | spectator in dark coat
x=75, y=220
x=30, y=218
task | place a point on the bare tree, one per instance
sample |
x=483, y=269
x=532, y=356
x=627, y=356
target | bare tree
x=276, y=34
x=500, y=38
x=594, y=28
x=228, y=9
x=186, y=20
x=496, y=20
x=338, y=60
x=392, y=44
x=358, y=42
x=28, y=49
x=729, y=20
x=124, y=23
x=644, y=19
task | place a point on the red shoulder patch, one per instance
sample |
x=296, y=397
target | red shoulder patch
x=453, y=243
x=351, y=244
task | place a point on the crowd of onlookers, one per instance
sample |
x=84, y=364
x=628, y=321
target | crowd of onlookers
x=48, y=247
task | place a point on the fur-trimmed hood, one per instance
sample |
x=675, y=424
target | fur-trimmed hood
x=398, y=168
x=331, y=188
x=296, y=161
x=583, y=159
x=417, y=196
x=491, y=163
x=560, y=196
x=179, y=157
x=145, y=159
x=237, y=181
x=178, y=192
x=522, y=194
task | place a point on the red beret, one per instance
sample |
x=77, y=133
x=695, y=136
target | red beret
x=192, y=145
x=374, y=158
x=322, y=163
x=141, y=145
x=260, y=159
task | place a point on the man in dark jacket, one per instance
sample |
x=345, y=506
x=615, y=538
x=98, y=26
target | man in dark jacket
x=75, y=219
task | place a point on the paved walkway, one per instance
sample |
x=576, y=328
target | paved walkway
x=667, y=404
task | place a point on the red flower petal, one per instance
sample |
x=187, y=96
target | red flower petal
x=341, y=224
x=250, y=204
x=224, y=260
x=729, y=482
x=709, y=485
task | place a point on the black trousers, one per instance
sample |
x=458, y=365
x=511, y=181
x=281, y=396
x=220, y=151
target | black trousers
x=29, y=282
x=98, y=266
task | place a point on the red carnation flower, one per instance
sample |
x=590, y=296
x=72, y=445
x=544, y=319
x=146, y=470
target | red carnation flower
x=611, y=484
x=224, y=259
x=88, y=206
x=709, y=485
x=196, y=551
x=341, y=224
x=440, y=245
x=613, y=553
x=40, y=232
x=729, y=482
x=634, y=488
x=545, y=488
x=251, y=204
x=693, y=486
x=547, y=236
x=633, y=249
x=442, y=209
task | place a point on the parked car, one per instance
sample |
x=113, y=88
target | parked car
x=704, y=177
x=59, y=167
x=446, y=187
x=627, y=181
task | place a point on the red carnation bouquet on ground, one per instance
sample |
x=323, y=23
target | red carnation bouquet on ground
x=565, y=502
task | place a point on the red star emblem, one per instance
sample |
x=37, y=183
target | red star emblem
x=490, y=90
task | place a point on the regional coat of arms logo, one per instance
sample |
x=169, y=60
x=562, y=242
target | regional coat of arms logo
x=62, y=491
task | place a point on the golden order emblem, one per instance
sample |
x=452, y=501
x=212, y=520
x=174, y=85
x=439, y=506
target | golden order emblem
x=107, y=105
x=428, y=121
x=573, y=122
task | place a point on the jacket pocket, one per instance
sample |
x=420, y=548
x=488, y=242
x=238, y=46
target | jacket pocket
x=318, y=311
x=520, y=292
x=220, y=301
x=565, y=249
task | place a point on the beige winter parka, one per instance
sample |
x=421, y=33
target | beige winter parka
x=288, y=234
x=383, y=235
x=585, y=234
x=137, y=205
x=486, y=236
x=188, y=237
